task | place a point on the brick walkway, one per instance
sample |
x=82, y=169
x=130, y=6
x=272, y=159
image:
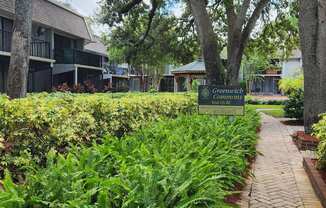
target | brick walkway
x=279, y=178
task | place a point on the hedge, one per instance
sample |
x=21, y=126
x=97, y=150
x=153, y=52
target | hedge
x=253, y=101
x=30, y=127
x=192, y=161
x=319, y=130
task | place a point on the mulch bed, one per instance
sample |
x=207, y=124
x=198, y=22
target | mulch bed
x=317, y=179
x=305, y=141
x=293, y=122
x=258, y=130
x=234, y=198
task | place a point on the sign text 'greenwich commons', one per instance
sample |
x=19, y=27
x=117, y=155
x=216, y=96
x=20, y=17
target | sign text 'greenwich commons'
x=219, y=100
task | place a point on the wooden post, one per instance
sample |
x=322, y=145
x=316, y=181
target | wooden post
x=189, y=83
x=175, y=83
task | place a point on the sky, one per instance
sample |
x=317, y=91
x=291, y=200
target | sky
x=90, y=7
x=85, y=7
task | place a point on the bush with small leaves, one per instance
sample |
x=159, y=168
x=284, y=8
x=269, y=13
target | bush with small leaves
x=294, y=106
x=30, y=127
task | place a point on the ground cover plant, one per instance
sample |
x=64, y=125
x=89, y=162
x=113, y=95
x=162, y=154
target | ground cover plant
x=30, y=127
x=191, y=161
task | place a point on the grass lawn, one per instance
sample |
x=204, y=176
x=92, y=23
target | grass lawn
x=272, y=110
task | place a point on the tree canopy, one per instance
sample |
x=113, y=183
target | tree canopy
x=147, y=31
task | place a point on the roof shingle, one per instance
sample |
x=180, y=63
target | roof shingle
x=197, y=66
x=97, y=46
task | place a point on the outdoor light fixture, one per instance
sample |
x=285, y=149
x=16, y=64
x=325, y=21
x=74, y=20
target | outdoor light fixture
x=40, y=31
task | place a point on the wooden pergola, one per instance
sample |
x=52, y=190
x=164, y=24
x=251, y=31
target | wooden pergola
x=190, y=72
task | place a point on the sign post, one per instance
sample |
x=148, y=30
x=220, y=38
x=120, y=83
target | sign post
x=221, y=100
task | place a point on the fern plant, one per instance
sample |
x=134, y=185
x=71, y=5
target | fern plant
x=191, y=161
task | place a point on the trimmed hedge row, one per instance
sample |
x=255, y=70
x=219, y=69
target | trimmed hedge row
x=252, y=101
x=191, y=161
x=30, y=127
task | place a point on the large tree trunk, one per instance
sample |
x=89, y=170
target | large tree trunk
x=239, y=33
x=208, y=41
x=235, y=55
x=309, y=39
x=321, y=50
x=20, y=48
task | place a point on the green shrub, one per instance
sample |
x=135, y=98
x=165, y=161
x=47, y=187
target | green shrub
x=195, y=86
x=290, y=85
x=153, y=90
x=252, y=101
x=30, y=127
x=294, y=107
x=192, y=161
x=319, y=130
x=266, y=102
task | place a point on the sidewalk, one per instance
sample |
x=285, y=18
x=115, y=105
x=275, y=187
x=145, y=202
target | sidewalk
x=279, y=178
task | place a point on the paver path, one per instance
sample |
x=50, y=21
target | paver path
x=279, y=178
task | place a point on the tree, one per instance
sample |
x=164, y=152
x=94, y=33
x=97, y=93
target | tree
x=209, y=17
x=321, y=50
x=279, y=37
x=252, y=66
x=312, y=36
x=166, y=43
x=20, y=49
x=240, y=26
x=213, y=63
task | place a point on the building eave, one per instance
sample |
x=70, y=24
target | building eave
x=33, y=58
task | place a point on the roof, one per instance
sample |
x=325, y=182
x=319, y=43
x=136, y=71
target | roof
x=54, y=15
x=196, y=67
x=97, y=46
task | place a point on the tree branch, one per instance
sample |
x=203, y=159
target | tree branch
x=129, y=6
x=216, y=3
x=151, y=15
x=242, y=14
x=253, y=20
x=230, y=12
